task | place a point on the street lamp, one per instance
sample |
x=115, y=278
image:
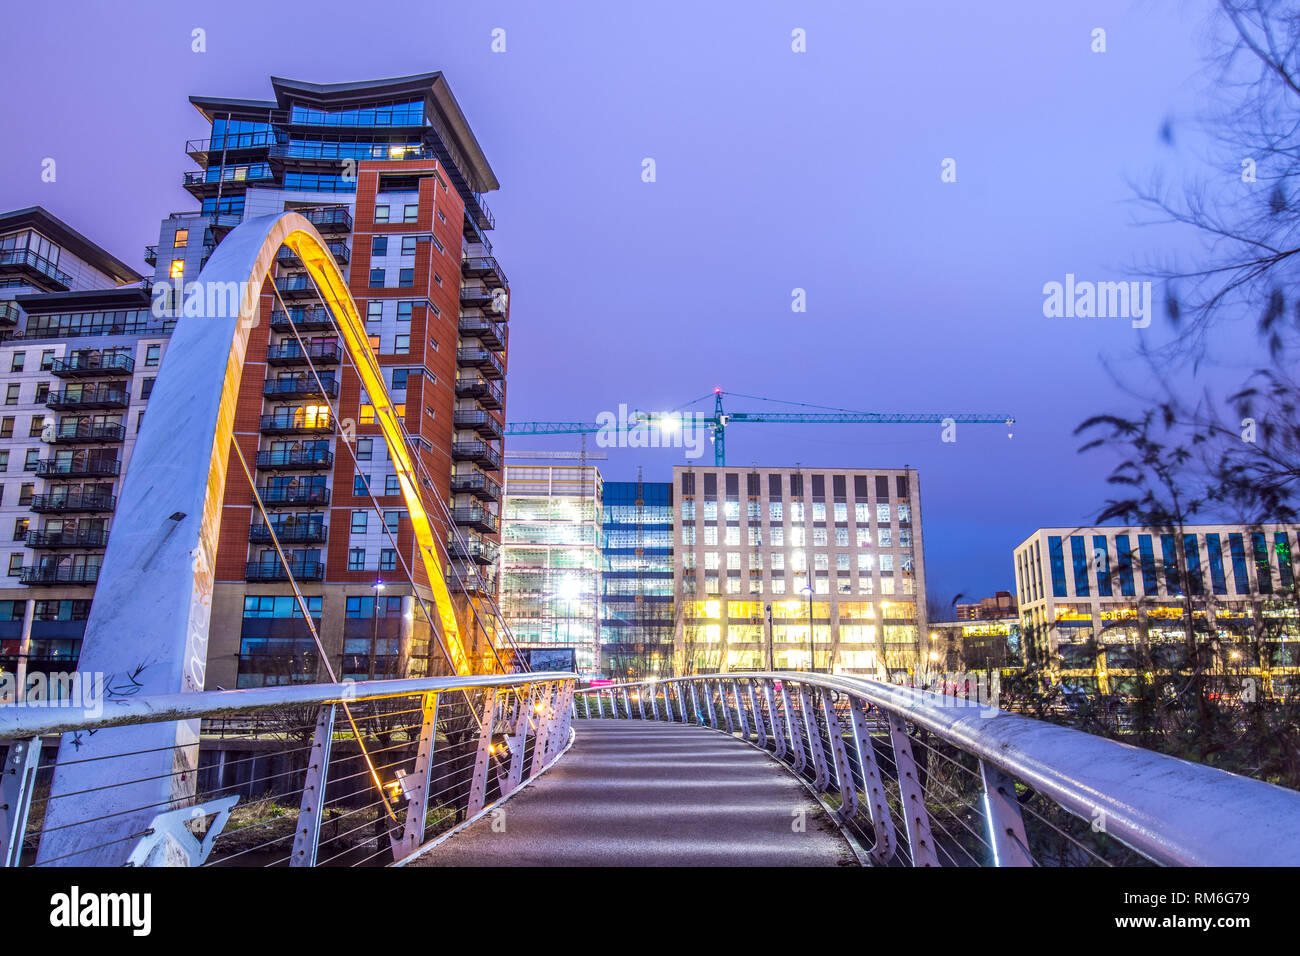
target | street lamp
x=812, y=645
x=378, y=588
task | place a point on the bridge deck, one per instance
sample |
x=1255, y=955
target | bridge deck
x=634, y=793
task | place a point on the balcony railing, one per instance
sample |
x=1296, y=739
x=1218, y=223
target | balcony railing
x=28, y=261
x=88, y=467
x=151, y=255
x=82, y=538
x=475, y=549
x=482, y=359
x=304, y=319
x=93, y=365
x=302, y=423
x=477, y=484
x=477, y=209
x=486, y=269
x=102, y=397
x=300, y=386
x=477, y=419
x=302, y=570
x=478, y=451
x=295, y=287
x=328, y=219
x=9, y=314
x=279, y=497
x=489, y=394
x=74, y=430
x=491, y=332
x=294, y=460
x=339, y=249
x=291, y=353
x=62, y=574
x=294, y=534
x=475, y=516
x=69, y=501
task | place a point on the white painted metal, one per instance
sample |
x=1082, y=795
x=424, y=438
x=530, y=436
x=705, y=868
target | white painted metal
x=882, y=822
x=417, y=806
x=725, y=705
x=654, y=701
x=168, y=841
x=821, y=776
x=754, y=708
x=542, y=733
x=840, y=758
x=778, y=732
x=483, y=755
x=627, y=704
x=1006, y=824
x=311, y=811
x=16, y=789
x=708, y=703
x=798, y=759
x=915, y=814
x=740, y=711
x=695, y=703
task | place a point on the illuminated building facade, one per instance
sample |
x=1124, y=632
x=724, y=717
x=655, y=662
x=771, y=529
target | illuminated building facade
x=391, y=176
x=551, y=560
x=761, y=551
x=1092, y=600
x=636, y=617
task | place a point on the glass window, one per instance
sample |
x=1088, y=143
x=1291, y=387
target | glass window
x=379, y=245
x=16, y=362
x=381, y=214
x=401, y=344
x=361, y=486
x=11, y=393
x=1057, y=557
x=359, y=522
x=1101, y=559
x=404, y=311
x=387, y=560
x=375, y=310
x=177, y=269
x=365, y=448
x=356, y=559
x=410, y=212
x=376, y=278
x=152, y=355
x=1240, y=576
x=182, y=239
x=405, y=278
x=1214, y=549
x=1147, y=555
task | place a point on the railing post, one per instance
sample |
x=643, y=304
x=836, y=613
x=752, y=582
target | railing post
x=877, y=799
x=1006, y=825
x=306, y=838
x=640, y=701
x=483, y=756
x=843, y=773
x=668, y=703
x=821, y=776
x=759, y=728
x=708, y=703
x=796, y=742
x=417, y=806
x=915, y=814
x=516, y=742
x=558, y=741
x=773, y=712
x=16, y=797
x=695, y=702
x=542, y=728
x=681, y=703
x=613, y=705
x=654, y=700
x=740, y=710
x=627, y=703
x=726, y=706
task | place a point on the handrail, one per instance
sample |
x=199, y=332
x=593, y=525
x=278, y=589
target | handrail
x=1171, y=811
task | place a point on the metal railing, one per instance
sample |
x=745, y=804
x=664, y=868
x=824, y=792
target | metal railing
x=920, y=779
x=302, y=774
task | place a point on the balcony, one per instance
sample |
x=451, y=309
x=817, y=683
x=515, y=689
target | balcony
x=233, y=146
x=312, y=496
x=315, y=318
x=484, y=360
x=475, y=516
x=207, y=182
x=477, y=297
x=151, y=255
x=59, y=574
x=71, y=399
x=491, y=332
x=9, y=313
x=477, y=484
x=27, y=263
x=329, y=219
x=296, y=287
x=84, y=538
x=301, y=421
x=474, y=549
x=477, y=209
x=489, y=394
x=68, y=502
x=302, y=570
x=289, y=534
x=291, y=353
x=77, y=430
x=486, y=269
x=479, y=420
x=90, y=467
x=93, y=364
x=477, y=451
x=295, y=460
x=300, y=386
x=342, y=255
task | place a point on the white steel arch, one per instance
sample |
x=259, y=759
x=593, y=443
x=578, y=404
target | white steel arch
x=148, y=627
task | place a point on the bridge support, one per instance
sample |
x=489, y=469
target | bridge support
x=16, y=788
x=1006, y=824
x=311, y=812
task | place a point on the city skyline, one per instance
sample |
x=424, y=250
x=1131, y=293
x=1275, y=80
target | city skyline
x=668, y=312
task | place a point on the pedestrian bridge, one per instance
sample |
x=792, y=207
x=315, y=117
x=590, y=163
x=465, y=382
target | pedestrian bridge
x=784, y=768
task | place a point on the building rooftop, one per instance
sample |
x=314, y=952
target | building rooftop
x=69, y=239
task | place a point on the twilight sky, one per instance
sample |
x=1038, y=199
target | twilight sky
x=775, y=170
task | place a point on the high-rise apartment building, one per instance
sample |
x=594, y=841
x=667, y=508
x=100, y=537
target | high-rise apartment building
x=78, y=356
x=637, y=607
x=1095, y=601
x=551, y=560
x=772, y=562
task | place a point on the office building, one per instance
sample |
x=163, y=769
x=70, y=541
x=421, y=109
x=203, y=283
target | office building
x=1001, y=605
x=771, y=562
x=637, y=608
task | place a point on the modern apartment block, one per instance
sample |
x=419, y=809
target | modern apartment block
x=78, y=356
x=1090, y=596
x=637, y=620
x=1001, y=605
x=551, y=560
x=765, y=554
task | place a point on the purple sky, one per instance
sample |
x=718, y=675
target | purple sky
x=775, y=170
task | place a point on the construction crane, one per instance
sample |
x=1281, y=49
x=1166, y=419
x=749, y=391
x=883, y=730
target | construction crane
x=718, y=422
